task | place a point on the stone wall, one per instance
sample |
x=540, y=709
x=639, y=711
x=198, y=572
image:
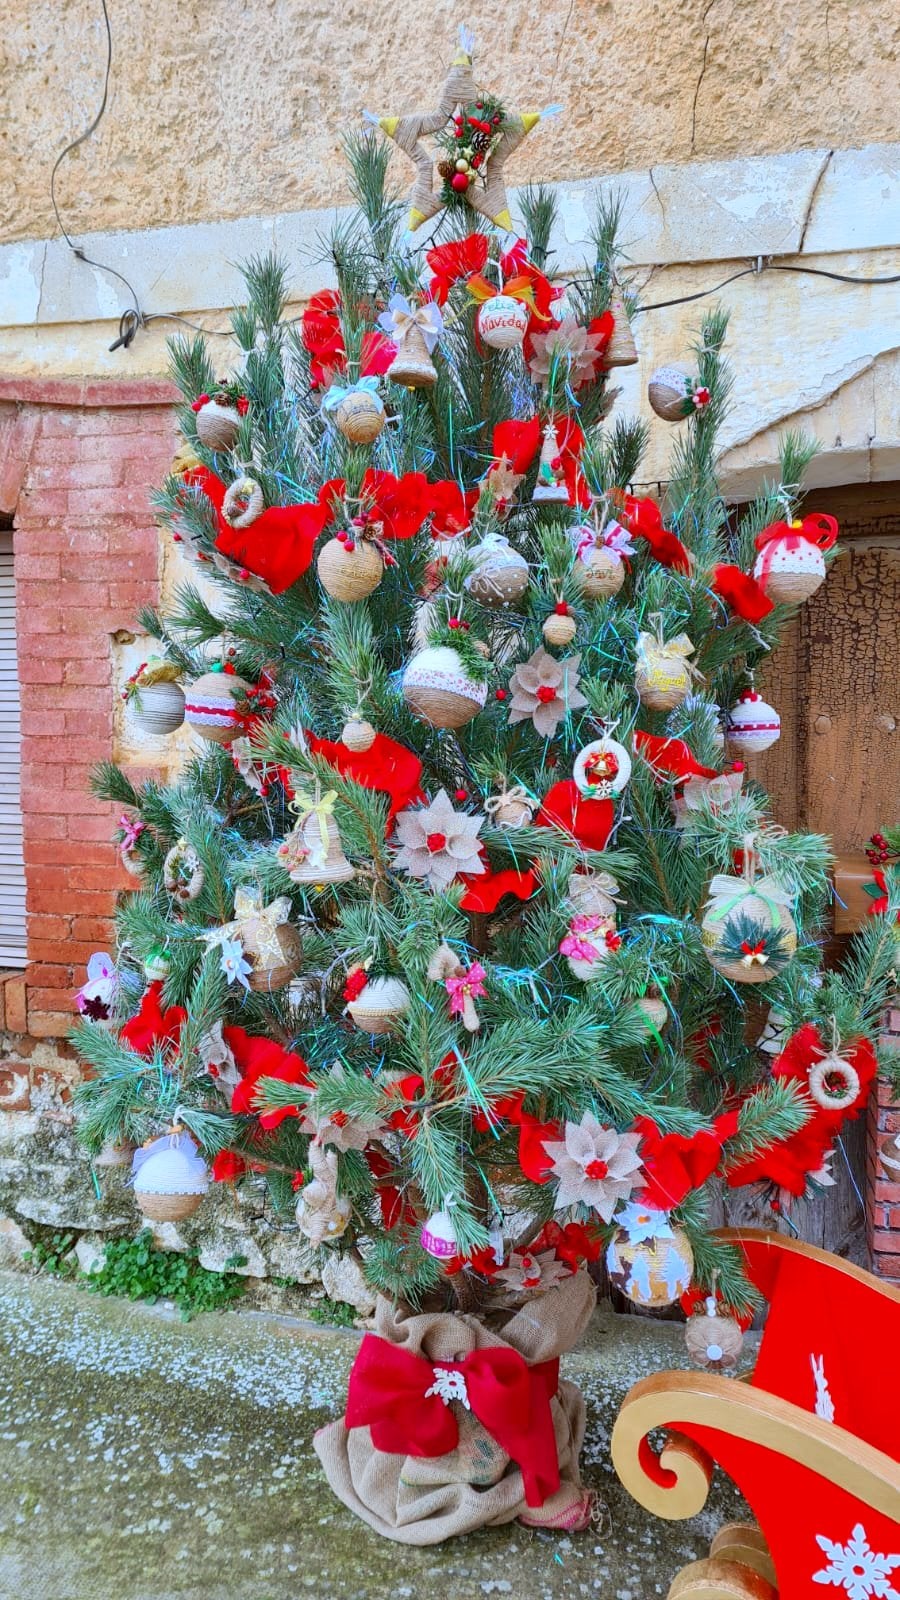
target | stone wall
x=227, y=112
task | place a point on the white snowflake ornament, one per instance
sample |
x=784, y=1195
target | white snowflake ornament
x=855, y=1568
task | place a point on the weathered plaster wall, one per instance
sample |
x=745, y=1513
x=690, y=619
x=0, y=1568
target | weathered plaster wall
x=221, y=110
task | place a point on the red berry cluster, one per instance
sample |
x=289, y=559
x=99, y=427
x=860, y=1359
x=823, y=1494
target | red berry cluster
x=457, y=622
x=878, y=851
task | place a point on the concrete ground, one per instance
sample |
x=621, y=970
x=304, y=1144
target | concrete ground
x=142, y=1458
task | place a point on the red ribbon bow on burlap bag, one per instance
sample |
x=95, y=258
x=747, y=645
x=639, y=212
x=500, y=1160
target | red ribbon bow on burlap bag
x=405, y=1400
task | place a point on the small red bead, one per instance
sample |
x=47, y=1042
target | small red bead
x=453, y=623
x=459, y=182
x=499, y=694
x=349, y=544
x=436, y=841
x=546, y=693
x=228, y=667
x=737, y=766
x=460, y=794
x=561, y=609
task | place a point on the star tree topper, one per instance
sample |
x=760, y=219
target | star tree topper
x=488, y=194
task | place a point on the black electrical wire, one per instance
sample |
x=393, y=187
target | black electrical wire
x=134, y=319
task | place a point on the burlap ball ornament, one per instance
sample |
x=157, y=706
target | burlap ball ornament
x=673, y=393
x=218, y=424
x=380, y=1005
x=211, y=707
x=349, y=569
x=747, y=929
x=599, y=572
x=714, y=1340
x=358, y=734
x=501, y=575
x=663, y=674
x=170, y=1177
x=559, y=629
x=437, y=688
x=360, y=416
x=791, y=562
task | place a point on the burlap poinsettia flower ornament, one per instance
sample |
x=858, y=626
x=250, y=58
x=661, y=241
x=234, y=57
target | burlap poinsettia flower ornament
x=545, y=690
x=570, y=346
x=594, y=1166
x=438, y=842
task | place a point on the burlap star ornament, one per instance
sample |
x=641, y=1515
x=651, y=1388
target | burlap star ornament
x=487, y=194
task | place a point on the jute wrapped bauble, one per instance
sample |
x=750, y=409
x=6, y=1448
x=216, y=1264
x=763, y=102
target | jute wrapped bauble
x=437, y=688
x=669, y=392
x=210, y=706
x=358, y=734
x=790, y=569
x=599, y=572
x=655, y=1010
x=654, y=1271
x=349, y=569
x=380, y=1005
x=501, y=575
x=158, y=709
x=360, y=416
x=713, y=1340
x=502, y=322
x=559, y=629
x=662, y=675
x=511, y=808
x=218, y=425
x=171, y=1179
x=594, y=893
x=731, y=901
x=753, y=725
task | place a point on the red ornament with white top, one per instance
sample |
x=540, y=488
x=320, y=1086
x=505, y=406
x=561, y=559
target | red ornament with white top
x=753, y=725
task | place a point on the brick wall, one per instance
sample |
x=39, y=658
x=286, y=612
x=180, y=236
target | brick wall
x=883, y=1183
x=76, y=463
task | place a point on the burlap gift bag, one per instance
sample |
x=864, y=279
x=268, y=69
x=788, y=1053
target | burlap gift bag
x=431, y=1380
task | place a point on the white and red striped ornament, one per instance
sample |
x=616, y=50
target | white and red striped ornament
x=753, y=725
x=211, y=708
x=438, y=1236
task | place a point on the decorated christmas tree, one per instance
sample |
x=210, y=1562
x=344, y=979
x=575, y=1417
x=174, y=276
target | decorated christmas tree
x=448, y=930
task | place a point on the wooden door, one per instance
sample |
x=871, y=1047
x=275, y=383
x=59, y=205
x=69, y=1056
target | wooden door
x=835, y=681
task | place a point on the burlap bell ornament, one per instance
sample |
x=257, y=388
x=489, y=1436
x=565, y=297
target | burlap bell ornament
x=312, y=852
x=453, y=1425
x=415, y=331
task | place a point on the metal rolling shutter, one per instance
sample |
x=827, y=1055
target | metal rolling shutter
x=12, y=865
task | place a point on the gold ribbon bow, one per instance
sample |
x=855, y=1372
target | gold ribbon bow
x=320, y=806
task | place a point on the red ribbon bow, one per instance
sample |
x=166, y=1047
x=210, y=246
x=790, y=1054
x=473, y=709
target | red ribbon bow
x=643, y=519
x=398, y=1396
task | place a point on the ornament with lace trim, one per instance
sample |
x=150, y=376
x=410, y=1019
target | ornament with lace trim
x=170, y=1177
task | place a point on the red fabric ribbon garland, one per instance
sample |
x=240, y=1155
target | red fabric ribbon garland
x=277, y=547
x=388, y=1393
x=151, y=1026
x=643, y=519
x=452, y=262
x=322, y=336
x=817, y=529
x=399, y=504
x=589, y=822
x=386, y=766
x=741, y=592
x=670, y=758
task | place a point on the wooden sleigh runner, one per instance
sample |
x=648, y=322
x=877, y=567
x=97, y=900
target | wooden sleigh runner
x=811, y=1440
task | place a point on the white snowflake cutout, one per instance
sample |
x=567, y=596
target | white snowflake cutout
x=449, y=1384
x=856, y=1569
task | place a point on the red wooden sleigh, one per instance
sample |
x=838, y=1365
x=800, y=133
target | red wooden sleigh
x=811, y=1439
